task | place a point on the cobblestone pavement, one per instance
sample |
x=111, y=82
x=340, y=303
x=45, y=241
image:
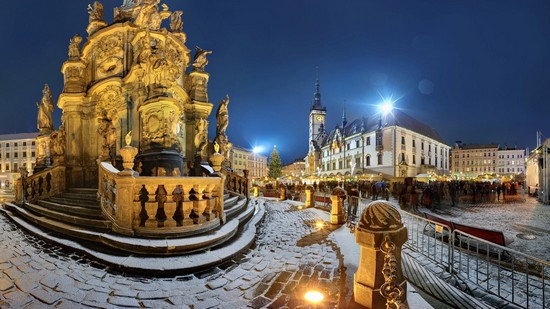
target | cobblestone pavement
x=291, y=255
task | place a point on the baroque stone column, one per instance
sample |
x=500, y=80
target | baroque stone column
x=160, y=152
x=380, y=235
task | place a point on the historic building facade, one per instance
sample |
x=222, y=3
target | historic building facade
x=16, y=151
x=538, y=173
x=391, y=145
x=294, y=169
x=245, y=159
x=470, y=161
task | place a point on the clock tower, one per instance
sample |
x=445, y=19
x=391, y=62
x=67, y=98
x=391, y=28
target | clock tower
x=317, y=129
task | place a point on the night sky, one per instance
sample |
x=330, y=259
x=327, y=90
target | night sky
x=475, y=70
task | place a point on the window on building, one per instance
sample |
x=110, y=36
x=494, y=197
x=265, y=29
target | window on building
x=357, y=162
x=14, y=144
x=402, y=157
x=368, y=160
x=414, y=143
x=357, y=144
x=414, y=158
x=422, y=161
x=422, y=145
x=348, y=146
x=368, y=140
x=32, y=154
x=7, y=155
x=8, y=167
x=15, y=155
x=430, y=147
x=402, y=140
x=379, y=159
x=430, y=160
x=24, y=143
x=15, y=167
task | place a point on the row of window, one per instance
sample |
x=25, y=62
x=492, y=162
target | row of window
x=16, y=155
x=491, y=169
x=8, y=167
x=488, y=154
x=15, y=144
x=379, y=157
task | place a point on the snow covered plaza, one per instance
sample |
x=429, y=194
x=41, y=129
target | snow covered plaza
x=292, y=253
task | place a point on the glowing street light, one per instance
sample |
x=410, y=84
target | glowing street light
x=314, y=297
x=256, y=149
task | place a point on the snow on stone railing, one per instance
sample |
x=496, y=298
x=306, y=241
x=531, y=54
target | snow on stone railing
x=160, y=206
x=41, y=185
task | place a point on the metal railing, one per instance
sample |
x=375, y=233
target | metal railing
x=514, y=276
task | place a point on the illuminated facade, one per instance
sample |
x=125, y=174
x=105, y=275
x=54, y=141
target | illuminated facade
x=295, y=169
x=393, y=145
x=16, y=151
x=470, y=161
x=245, y=159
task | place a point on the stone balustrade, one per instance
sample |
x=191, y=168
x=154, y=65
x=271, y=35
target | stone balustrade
x=41, y=185
x=160, y=206
x=236, y=184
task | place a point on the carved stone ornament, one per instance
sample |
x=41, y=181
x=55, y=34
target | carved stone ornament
x=380, y=216
x=201, y=136
x=176, y=22
x=74, y=47
x=147, y=16
x=110, y=100
x=200, y=60
x=109, y=46
x=96, y=12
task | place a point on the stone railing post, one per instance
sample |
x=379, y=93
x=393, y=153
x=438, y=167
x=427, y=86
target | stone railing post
x=337, y=198
x=245, y=184
x=310, y=199
x=283, y=192
x=124, y=215
x=379, y=279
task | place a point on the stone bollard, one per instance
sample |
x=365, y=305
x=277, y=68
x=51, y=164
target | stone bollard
x=310, y=199
x=379, y=278
x=337, y=198
x=353, y=202
x=282, y=187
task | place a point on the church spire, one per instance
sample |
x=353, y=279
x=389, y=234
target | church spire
x=317, y=95
x=344, y=118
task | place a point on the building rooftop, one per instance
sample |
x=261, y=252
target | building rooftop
x=479, y=146
x=18, y=136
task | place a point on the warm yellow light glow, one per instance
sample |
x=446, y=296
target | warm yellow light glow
x=314, y=297
x=299, y=207
x=320, y=224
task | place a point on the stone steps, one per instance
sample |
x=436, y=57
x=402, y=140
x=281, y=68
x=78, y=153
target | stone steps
x=123, y=244
x=88, y=212
x=76, y=220
x=139, y=264
x=236, y=208
x=73, y=202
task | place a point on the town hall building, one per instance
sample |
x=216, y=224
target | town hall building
x=391, y=144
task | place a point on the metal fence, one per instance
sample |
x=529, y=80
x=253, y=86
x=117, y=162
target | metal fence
x=512, y=275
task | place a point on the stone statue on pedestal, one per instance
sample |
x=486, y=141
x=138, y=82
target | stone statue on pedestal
x=74, y=47
x=45, y=109
x=200, y=61
x=146, y=14
x=201, y=135
x=176, y=22
x=96, y=12
x=222, y=116
x=107, y=131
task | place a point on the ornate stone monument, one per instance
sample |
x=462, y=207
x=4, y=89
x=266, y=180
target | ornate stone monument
x=130, y=76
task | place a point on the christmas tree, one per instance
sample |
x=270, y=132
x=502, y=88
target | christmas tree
x=274, y=164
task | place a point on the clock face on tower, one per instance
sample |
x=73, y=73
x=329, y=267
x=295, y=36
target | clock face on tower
x=319, y=118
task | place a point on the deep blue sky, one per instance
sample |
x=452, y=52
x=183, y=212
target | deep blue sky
x=486, y=63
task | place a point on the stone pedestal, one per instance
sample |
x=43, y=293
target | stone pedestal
x=42, y=153
x=216, y=159
x=256, y=191
x=337, y=198
x=282, y=196
x=380, y=225
x=128, y=154
x=310, y=198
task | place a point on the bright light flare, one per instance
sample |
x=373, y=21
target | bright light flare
x=257, y=149
x=320, y=224
x=386, y=107
x=314, y=297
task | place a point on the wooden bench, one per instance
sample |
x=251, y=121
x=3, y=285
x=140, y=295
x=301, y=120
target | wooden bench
x=496, y=237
